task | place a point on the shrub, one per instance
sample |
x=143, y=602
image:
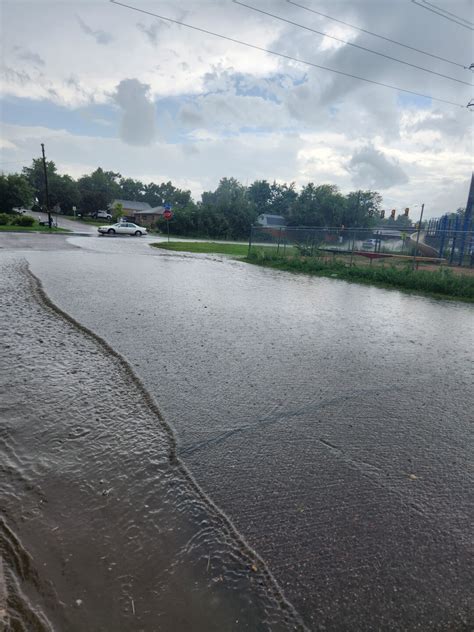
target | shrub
x=25, y=220
x=4, y=219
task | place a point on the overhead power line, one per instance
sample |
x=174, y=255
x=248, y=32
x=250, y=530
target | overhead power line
x=446, y=17
x=338, y=39
x=387, y=39
x=282, y=55
x=448, y=12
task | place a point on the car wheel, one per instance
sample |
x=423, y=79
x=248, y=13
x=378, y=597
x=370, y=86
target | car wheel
x=138, y=233
x=111, y=231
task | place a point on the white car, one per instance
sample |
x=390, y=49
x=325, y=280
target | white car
x=369, y=244
x=123, y=228
x=102, y=215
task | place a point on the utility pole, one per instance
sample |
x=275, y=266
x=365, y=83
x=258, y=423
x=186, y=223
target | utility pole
x=418, y=236
x=50, y=222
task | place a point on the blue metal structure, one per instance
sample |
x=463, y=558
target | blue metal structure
x=467, y=220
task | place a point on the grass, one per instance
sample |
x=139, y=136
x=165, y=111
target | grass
x=87, y=220
x=210, y=247
x=36, y=228
x=442, y=283
x=235, y=250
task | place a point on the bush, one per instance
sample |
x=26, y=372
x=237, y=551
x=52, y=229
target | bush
x=25, y=220
x=4, y=219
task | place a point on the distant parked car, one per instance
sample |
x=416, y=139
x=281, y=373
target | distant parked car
x=369, y=244
x=123, y=228
x=101, y=215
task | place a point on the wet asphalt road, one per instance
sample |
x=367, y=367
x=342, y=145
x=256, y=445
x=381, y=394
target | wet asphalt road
x=101, y=527
x=330, y=421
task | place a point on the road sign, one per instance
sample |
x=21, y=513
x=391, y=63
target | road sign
x=167, y=214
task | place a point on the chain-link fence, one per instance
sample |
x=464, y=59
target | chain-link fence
x=366, y=245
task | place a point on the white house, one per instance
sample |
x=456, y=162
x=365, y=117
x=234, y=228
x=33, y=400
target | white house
x=273, y=221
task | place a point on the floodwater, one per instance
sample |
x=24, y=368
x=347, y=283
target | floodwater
x=101, y=527
x=329, y=421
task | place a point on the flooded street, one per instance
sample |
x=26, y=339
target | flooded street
x=330, y=422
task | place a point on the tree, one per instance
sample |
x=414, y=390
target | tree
x=35, y=176
x=117, y=211
x=159, y=194
x=132, y=189
x=63, y=190
x=321, y=205
x=228, y=209
x=259, y=193
x=15, y=192
x=283, y=199
x=362, y=209
x=98, y=189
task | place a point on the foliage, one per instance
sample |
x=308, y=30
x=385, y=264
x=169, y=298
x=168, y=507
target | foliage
x=25, y=220
x=4, y=219
x=15, y=192
x=227, y=212
x=98, y=190
x=159, y=194
x=362, y=208
x=63, y=190
x=132, y=190
x=442, y=283
x=237, y=250
x=117, y=211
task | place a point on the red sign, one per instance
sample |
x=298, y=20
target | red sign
x=167, y=215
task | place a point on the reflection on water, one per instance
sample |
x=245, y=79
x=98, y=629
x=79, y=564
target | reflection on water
x=329, y=420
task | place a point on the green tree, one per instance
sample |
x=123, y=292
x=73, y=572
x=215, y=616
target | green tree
x=63, y=190
x=321, y=205
x=362, y=209
x=15, y=192
x=259, y=193
x=98, y=189
x=117, y=211
x=132, y=189
x=35, y=176
x=284, y=197
x=159, y=194
x=228, y=211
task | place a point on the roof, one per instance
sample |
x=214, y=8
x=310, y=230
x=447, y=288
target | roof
x=272, y=220
x=131, y=205
x=157, y=210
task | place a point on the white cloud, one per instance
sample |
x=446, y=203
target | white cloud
x=243, y=112
x=100, y=36
x=370, y=168
x=138, y=112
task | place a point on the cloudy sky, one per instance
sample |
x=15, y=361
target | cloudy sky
x=103, y=85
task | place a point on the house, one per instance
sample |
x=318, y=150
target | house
x=271, y=221
x=139, y=212
x=147, y=217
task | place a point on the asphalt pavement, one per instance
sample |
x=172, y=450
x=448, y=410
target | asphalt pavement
x=330, y=421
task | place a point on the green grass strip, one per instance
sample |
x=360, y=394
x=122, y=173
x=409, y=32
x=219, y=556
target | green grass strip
x=11, y=228
x=441, y=283
x=206, y=247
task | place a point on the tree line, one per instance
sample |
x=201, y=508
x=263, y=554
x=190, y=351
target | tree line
x=228, y=212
